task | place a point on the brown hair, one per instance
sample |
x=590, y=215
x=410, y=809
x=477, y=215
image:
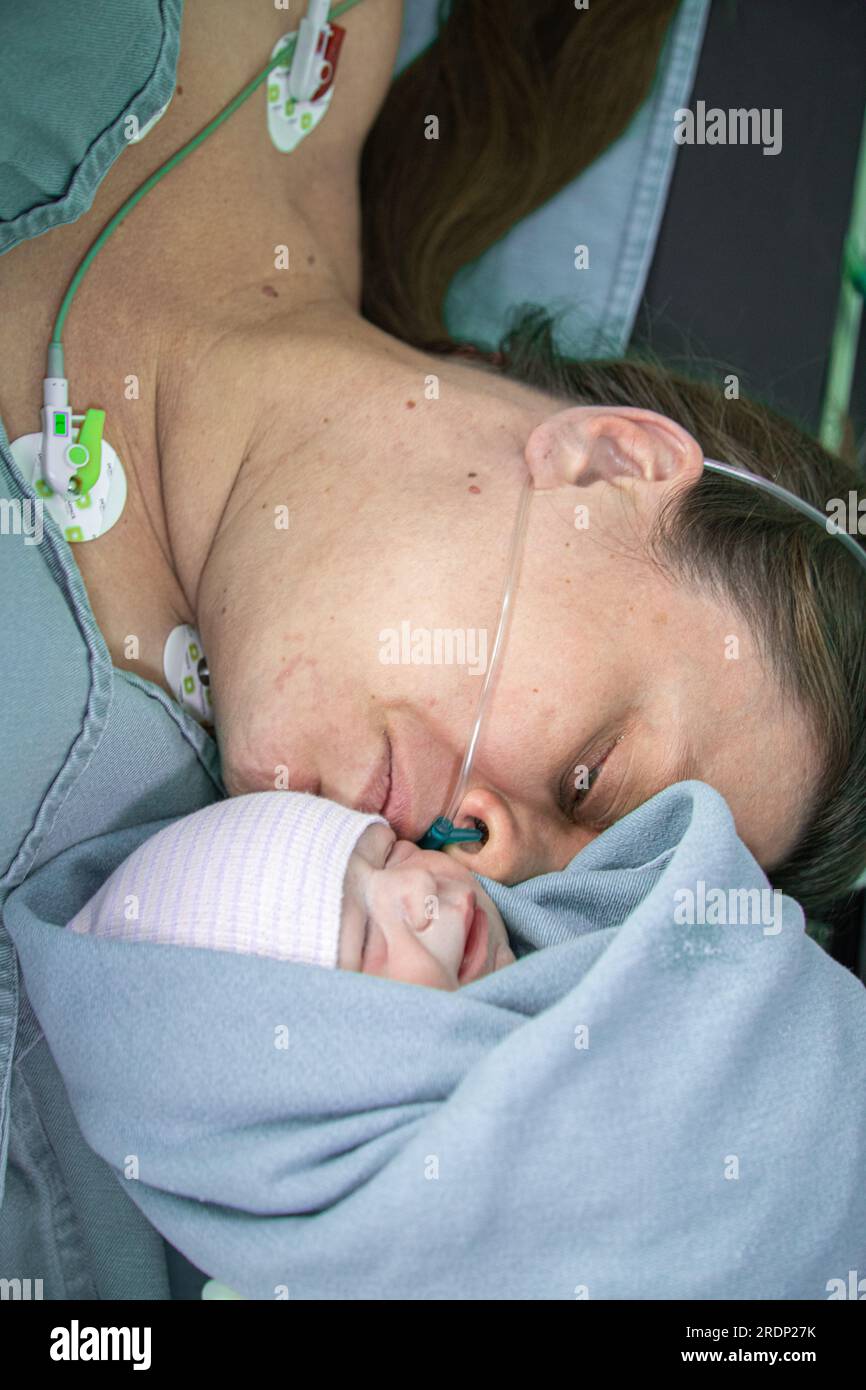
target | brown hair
x=802, y=594
x=508, y=83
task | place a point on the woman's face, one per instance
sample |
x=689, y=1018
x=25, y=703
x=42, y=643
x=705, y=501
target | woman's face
x=376, y=518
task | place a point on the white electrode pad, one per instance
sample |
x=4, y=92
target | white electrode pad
x=84, y=518
x=186, y=672
x=291, y=118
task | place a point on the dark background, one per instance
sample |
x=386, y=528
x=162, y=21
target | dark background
x=746, y=270
x=747, y=265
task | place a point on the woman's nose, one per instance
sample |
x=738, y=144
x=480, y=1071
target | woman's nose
x=502, y=852
x=519, y=842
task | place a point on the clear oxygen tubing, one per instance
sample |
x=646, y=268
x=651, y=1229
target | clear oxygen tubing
x=792, y=500
x=284, y=57
x=442, y=831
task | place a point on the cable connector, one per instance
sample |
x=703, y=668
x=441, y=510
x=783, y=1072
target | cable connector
x=305, y=76
x=442, y=833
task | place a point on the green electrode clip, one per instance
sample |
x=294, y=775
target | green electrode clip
x=87, y=453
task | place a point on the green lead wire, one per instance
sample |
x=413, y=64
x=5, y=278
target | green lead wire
x=55, y=349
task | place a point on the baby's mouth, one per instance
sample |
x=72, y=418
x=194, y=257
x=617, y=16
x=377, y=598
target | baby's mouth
x=475, y=950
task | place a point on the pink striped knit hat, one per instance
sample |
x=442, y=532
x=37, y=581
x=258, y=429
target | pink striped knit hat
x=261, y=874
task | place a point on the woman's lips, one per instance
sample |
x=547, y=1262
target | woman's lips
x=401, y=800
x=378, y=786
x=397, y=806
x=386, y=795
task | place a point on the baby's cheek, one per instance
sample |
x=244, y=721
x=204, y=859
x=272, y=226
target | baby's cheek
x=376, y=955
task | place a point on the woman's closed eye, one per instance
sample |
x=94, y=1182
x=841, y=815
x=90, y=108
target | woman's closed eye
x=584, y=777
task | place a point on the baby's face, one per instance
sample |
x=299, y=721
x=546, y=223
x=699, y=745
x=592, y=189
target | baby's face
x=417, y=915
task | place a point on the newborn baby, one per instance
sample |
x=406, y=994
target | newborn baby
x=301, y=878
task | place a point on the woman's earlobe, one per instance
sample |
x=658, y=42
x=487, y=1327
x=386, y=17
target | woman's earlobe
x=556, y=451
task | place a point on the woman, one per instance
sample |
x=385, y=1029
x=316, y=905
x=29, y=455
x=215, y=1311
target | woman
x=688, y=630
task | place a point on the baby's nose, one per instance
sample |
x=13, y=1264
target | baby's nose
x=413, y=895
x=452, y=910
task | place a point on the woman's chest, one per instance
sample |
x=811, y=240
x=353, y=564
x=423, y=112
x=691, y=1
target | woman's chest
x=109, y=367
x=200, y=260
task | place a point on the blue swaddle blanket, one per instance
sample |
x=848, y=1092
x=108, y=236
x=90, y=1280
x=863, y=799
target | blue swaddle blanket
x=643, y=1109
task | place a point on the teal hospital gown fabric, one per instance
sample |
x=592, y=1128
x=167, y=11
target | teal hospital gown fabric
x=90, y=757
x=91, y=761
x=73, y=72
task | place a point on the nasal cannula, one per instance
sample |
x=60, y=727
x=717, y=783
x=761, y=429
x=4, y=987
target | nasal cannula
x=442, y=831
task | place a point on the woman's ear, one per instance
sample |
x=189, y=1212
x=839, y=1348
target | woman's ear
x=586, y=444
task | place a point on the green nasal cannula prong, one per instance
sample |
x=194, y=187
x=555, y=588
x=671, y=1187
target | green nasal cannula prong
x=442, y=832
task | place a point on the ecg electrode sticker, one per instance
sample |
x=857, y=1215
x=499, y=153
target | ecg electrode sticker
x=291, y=119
